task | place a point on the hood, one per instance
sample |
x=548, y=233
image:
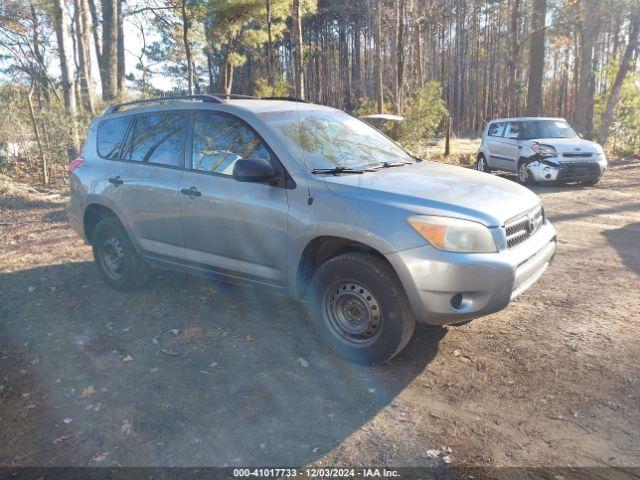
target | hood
x=570, y=145
x=438, y=189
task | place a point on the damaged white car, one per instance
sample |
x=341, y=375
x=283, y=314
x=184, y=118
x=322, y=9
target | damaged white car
x=540, y=150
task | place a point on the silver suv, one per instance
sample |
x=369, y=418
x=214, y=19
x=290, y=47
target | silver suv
x=309, y=200
x=540, y=150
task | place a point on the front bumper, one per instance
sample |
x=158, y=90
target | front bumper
x=574, y=171
x=486, y=282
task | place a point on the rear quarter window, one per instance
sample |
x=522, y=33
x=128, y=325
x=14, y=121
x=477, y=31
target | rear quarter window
x=111, y=136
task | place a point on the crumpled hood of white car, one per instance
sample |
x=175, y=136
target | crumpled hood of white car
x=570, y=145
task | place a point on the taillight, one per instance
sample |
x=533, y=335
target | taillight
x=74, y=164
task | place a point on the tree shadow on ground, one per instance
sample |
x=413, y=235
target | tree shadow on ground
x=625, y=241
x=184, y=372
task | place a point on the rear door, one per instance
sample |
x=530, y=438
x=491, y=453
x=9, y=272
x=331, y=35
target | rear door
x=494, y=141
x=234, y=227
x=144, y=183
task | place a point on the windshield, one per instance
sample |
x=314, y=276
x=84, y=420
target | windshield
x=547, y=129
x=331, y=138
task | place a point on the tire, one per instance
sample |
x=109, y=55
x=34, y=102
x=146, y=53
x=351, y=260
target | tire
x=482, y=165
x=118, y=261
x=524, y=176
x=589, y=183
x=359, y=308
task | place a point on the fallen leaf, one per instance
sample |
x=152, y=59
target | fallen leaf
x=128, y=358
x=192, y=333
x=100, y=457
x=60, y=439
x=303, y=363
x=87, y=392
x=248, y=338
x=126, y=429
x=67, y=420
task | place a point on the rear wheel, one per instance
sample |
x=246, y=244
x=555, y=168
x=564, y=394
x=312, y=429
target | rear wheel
x=359, y=308
x=118, y=261
x=482, y=165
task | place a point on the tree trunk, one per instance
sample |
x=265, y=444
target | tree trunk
x=65, y=69
x=400, y=55
x=626, y=64
x=584, y=95
x=187, y=47
x=298, y=74
x=378, y=58
x=84, y=58
x=513, y=57
x=34, y=124
x=121, y=73
x=270, y=76
x=536, y=59
x=109, y=58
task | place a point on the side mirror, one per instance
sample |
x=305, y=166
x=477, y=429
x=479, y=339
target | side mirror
x=253, y=170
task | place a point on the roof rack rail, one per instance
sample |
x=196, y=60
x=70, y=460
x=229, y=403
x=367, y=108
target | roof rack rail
x=203, y=98
x=290, y=99
x=235, y=95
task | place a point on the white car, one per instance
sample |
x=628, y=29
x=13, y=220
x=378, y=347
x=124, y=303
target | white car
x=540, y=150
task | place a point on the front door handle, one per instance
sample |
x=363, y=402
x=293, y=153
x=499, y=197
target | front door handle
x=191, y=192
x=116, y=181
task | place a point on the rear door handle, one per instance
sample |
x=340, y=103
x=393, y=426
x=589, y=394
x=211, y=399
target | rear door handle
x=191, y=192
x=116, y=181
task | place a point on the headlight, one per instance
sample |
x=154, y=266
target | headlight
x=544, y=150
x=454, y=235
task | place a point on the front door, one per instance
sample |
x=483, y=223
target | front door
x=234, y=227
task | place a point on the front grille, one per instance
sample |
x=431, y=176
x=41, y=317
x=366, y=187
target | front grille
x=570, y=171
x=577, y=155
x=524, y=227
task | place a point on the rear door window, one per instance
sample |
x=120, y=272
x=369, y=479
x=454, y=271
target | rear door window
x=157, y=138
x=496, y=129
x=111, y=136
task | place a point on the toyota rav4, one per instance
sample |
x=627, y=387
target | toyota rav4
x=309, y=200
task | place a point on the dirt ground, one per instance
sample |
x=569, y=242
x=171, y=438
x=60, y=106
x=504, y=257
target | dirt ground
x=191, y=373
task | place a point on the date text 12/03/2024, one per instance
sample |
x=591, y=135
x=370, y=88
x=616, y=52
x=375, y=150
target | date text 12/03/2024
x=316, y=472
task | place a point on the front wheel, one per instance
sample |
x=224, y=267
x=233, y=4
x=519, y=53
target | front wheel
x=359, y=308
x=524, y=175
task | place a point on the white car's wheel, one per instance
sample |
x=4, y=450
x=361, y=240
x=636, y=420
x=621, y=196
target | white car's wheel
x=524, y=175
x=482, y=165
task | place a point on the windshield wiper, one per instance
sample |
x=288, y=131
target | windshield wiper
x=394, y=164
x=337, y=170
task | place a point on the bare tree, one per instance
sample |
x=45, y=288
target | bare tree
x=82, y=19
x=296, y=34
x=67, y=79
x=379, y=93
x=536, y=58
x=626, y=64
x=584, y=96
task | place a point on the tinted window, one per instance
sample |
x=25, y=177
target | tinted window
x=547, y=129
x=111, y=135
x=157, y=138
x=496, y=130
x=220, y=140
x=513, y=130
